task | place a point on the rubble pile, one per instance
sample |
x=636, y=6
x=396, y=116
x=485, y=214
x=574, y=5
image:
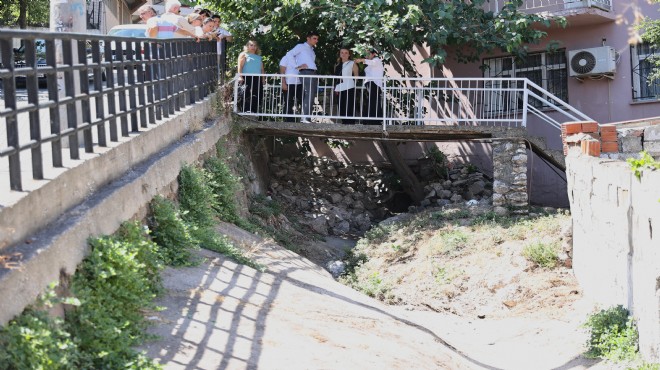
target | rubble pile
x=336, y=198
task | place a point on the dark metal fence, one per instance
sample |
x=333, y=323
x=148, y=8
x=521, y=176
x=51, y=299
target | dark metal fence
x=111, y=87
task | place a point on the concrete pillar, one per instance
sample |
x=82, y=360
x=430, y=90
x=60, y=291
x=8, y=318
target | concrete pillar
x=510, y=176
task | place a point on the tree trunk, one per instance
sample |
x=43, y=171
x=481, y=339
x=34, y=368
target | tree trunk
x=22, y=15
x=409, y=181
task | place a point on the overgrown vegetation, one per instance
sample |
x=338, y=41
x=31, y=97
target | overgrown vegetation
x=118, y=281
x=112, y=287
x=201, y=210
x=171, y=232
x=613, y=335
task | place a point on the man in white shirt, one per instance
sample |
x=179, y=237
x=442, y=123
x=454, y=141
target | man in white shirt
x=291, y=86
x=304, y=60
x=373, y=83
x=172, y=10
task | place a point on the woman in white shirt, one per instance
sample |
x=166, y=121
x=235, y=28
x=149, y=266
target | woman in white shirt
x=373, y=83
x=345, y=90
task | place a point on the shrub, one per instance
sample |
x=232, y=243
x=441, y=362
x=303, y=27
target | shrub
x=171, y=232
x=224, y=185
x=113, y=285
x=200, y=205
x=34, y=340
x=542, y=254
x=196, y=196
x=613, y=335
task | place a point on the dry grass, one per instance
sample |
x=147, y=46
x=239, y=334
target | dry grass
x=466, y=262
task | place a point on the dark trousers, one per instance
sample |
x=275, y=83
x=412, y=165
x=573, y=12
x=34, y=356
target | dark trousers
x=347, y=106
x=253, y=94
x=292, y=99
x=375, y=107
x=310, y=84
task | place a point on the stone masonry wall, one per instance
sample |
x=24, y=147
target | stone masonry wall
x=616, y=239
x=510, y=176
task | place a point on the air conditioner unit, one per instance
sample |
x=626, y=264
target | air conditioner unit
x=594, y=61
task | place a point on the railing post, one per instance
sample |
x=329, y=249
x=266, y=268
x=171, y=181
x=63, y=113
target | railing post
x=525, y=102
x=384, y=105
x=235, y=94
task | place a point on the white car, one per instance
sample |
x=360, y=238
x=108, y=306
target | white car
x=129, y=30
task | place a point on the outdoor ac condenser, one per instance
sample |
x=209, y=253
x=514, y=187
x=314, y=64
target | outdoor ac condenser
x=594, y=61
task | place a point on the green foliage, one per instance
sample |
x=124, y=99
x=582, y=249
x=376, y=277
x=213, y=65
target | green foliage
x=36, y=13
x=650, y=30
x=34, y=340
x=171, y=232
x=452, y=241
x=379, y=233
x=373, y=286
x=196, y=196
x=264, y=208
x=646, y=366
x=211, y=240
x=147, y=251
x=613, y=335
x=440, y=161
x=388, y=25
x=224, y=185
x=645, y=161
x=199, y=197
x=113, y=285
x=353, y=260
x=543, y=254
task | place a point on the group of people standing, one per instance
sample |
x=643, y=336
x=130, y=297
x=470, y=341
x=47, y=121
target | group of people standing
x=299, y=86
x=202, y=24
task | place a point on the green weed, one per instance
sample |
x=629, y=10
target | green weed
x=34, y=340
x=542, y=254
x=196, y=197
x=613, y=335
x=645, y=161
x=171, y=232
x=452, y=241
x=113, y=285
x=224, y=185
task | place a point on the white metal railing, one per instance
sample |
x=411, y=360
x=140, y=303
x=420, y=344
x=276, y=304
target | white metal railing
x=408, y=101
x=551, y=6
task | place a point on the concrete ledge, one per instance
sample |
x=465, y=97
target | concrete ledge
x=45, y=204
x=62, y=245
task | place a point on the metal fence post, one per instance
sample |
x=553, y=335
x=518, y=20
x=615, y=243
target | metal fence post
x=384, y=103
x=525, y=102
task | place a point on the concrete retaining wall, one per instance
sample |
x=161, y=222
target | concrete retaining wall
x=142, y=168
x=616, y=239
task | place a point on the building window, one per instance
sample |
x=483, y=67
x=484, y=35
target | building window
x=546, y=69
x=642, y=67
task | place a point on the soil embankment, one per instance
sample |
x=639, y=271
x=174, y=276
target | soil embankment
x=220, y=315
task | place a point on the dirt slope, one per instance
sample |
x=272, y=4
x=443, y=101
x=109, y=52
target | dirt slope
x=220, y=315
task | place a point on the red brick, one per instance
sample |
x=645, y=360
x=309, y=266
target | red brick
x=608, y=136
x=571, y=127
x=590, y=147
x=610, y=147
x=607, y=128
x=594, y=148
x=589, y=127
